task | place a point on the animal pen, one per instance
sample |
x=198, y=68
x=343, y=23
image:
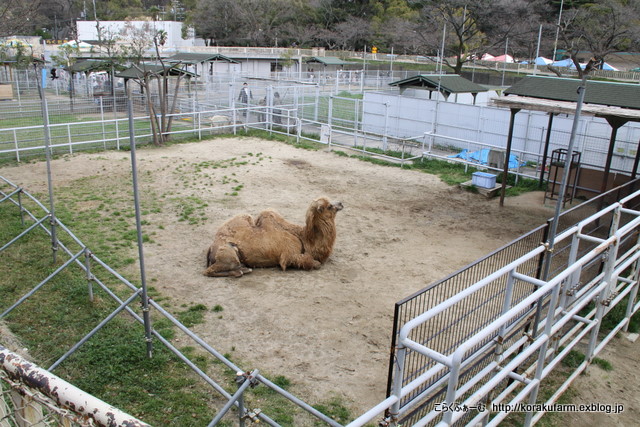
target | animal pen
x=474, y=347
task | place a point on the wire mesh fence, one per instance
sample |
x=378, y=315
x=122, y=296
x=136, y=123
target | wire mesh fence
x=450, y=328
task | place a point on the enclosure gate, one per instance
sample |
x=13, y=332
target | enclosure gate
x=506, y=315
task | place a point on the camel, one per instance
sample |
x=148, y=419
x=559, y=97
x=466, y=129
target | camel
x=269, y=240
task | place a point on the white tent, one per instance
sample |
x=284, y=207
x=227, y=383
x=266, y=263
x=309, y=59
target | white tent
x=540, y=60
x=606, y=66
x=501, y=58
x=81, y=45
x=567, y=63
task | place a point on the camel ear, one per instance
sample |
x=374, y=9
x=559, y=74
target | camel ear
x=320, y=208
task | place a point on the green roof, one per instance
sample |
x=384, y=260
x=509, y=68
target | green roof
x=625, y=95
x=197, y=58
x=327, y=60
x=89, y=65
x=448, y=83
x=139, y=71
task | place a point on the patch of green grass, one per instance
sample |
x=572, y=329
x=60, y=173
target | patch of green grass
x=193, y=315
x=573, y=359
x=605, y=365
x=334, y=408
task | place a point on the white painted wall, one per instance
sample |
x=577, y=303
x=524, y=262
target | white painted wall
x=480, y=126
x=87, y=30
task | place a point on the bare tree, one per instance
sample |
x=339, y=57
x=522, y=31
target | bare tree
x=352, y=33
x=18, y=17
x=463, y=36
x=160, y=112
x=139, y=39
x=475, y=26
x=600, y=28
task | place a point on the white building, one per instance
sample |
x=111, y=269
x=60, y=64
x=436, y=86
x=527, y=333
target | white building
x=87, y=30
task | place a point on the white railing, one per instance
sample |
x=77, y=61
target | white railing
x=529, y=359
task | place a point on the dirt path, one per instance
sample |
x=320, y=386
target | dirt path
x=328, y=331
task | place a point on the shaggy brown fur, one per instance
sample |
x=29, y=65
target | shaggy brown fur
x=270, y=241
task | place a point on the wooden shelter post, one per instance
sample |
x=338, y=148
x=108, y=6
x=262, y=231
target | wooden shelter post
x=636, y=162
x=615, y=123
x=545, y=155
x=507, y=155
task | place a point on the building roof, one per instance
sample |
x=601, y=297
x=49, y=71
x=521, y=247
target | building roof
x=447, y=83
x=326, y=60
x=613, y=94
x=197, y=58
x=13, y=59
x=139, y=71
x=89, y=65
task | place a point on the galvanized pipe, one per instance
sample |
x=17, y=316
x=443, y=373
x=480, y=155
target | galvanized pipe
x=95, y=330
x=237, y=395
x=41, y=284
x=136, y=202
x=15, y=239
x=65, y=394
x=7, y=196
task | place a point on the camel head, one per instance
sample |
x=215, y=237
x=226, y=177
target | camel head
x=319, y=232
x=322, y=210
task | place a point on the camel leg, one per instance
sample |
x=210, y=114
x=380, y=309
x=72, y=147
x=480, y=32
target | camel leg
x=230, y=273
x=302, y=261
x=225, y=262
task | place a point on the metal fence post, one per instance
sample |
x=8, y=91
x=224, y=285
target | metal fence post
x=542, y=351
x=21, y=208
x=634, y=292
x=104, y=136
x=69, y=140
x=603, y=298
x=143, y=280
x=384, y=133
x=15, y=142
x=87, y=266
x=317, y=103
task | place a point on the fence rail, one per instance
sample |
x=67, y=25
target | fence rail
x=421, y=385
x=466, y=313
x=102, y=275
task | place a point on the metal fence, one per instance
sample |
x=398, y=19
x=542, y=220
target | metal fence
x=466, y=317
x=108, y=283
x=32, y=396
x=305, y=113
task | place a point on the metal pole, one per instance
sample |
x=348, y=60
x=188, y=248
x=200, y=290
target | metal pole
x=555, y=44
x=136, y=200
x=47, y=150
x=535, y=62
x=559, y=202
x=567, y=168
x=243, y=386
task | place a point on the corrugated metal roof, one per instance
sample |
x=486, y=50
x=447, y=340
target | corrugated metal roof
x=625, y=95
x=450, y=83
x=138, y=72
x=196, y=58
x=89, y=65
x=327, y=60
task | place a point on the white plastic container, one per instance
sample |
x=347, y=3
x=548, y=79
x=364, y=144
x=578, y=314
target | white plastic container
x=483, y=180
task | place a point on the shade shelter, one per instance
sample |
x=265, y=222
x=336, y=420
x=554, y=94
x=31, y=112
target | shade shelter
x=139, y=71
x=446, y=84
x=193, y=59
x=143, y=71
x=617, y=103
x=329, y=63
x=326, y=60
x=198, y=58
x=89, y=66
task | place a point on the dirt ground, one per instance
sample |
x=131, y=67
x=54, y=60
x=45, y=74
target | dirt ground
x=328, y=331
